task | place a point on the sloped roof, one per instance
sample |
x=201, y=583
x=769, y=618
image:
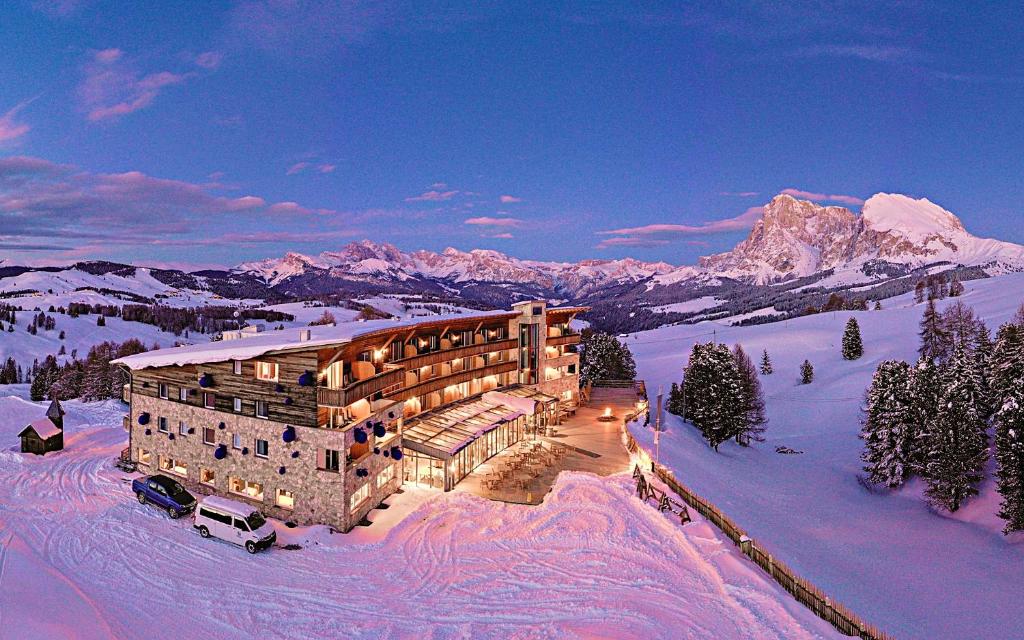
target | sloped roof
x=43, y=427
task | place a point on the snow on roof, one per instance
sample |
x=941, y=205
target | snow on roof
x=44, y=428
x=225, y=505
x=257, y=344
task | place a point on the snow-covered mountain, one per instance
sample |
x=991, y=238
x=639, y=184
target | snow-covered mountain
x=797, y=238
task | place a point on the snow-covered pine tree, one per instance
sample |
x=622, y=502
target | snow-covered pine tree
x=714, y=393
x=806, y=372
x=766, y=363
x=753, y=399
x=604, y=357
x=925, y=394
x=889, y=432
x=933, y=334
x=853, y=347
x=958, y=438
x=1010, y=457
x=1007, y=361
x=956, y=288
x=982, y=352
x=675, y=400
x=878, y=305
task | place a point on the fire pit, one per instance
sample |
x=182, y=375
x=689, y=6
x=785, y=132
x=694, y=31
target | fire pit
x=607, y=415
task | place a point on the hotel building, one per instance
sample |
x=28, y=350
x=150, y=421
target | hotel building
x=320, y=424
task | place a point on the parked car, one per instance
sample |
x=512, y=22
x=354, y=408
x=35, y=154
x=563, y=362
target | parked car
x=166, y=493
x=235, y=522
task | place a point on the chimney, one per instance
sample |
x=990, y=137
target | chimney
x=305, y=335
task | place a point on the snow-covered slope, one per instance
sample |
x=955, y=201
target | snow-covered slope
x=78, y=555
x=915, y=573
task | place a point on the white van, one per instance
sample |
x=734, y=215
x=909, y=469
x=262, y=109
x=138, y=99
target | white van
x=233, y=521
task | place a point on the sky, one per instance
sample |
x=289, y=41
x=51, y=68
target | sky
x=208, y=134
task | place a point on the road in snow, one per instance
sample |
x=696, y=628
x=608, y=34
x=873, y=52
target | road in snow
x=914, y=573
x=79, y=557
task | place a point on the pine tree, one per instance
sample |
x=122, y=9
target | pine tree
x=806, y=372
x=919, y=292
x=714, y=395
x=925, y=394
x=604, y=357
x=1010, y=457
x=101, y=321
x=752, y=399
x=766, y=363
x=675, y=400
x=956, y=288
x=933, y=334
x=853, y=348
x=889, y=431
x=958, y=440
x=982, y=353
x=878, y=305
x=1007, y=361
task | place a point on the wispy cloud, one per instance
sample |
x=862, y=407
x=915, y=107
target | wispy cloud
x=502, y=236
x=298, y=167
x=610, y=243
x=510, y=199
x=872, y=52
x=741, y=222
x=321, y=167
x=433, y=196
x=739, y=194
x=823, y=197
x=209, y=59
x=10, y=129
x=487, y=221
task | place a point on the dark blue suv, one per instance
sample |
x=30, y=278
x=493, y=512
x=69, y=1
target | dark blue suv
x=166, y=493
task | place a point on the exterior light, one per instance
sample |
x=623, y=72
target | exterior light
x=608, y=411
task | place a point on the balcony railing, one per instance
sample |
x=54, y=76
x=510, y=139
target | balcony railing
x=437, y=357
x=385, y=382
x=437, y=384
x=569, y=338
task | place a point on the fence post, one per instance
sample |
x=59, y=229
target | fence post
x=745, y=545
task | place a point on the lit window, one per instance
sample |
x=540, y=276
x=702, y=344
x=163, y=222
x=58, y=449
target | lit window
x=237, y=404
x=253, y=490
x=266, y=371
x=209, y=400
x=261, y=409
x=285, y=499
x=237, y=367
x=209, y=435
x=207, y=476
x=162, y=424
x=262, y=448
x=170, y=465
x=360, y=495
x=386, y=475
x=183, y=394
x=182, y=428
x=236, y=441
x=145, y=457
x=163, y=390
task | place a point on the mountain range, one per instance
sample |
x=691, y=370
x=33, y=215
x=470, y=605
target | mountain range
x=797, y=252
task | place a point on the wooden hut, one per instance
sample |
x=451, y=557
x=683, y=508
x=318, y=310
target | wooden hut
x=45, y=434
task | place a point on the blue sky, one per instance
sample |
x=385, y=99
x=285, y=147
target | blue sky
x=155, y=133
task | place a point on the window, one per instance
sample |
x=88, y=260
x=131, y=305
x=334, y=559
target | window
x=262, y=448
x=207, y=476
x=386, y=475
x=328, y=459
x=145, y=457
x=182, y=428
x=163, y=390
x=261, y=409
x=245, y=488
x=170, y=465
x=161, y=425
x=183, y=394
x=237, y=367
x=236, y=441
x=237, y=404
x=360, y=495
x=240, y=524
x=214, y=515
x=285, y=499
x=209, y=400
x=266, y=371
x=209, y=435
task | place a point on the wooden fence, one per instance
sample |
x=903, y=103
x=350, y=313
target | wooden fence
x=805, y=593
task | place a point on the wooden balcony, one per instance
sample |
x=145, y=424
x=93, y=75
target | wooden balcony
x=437, y=384
x=385, y=382
x=437, y=357
x=569, y=338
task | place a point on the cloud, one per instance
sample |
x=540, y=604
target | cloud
x=742, y=222
x=510, y=199
x=42, y=202
x=9, y=128
x=209, y=59
x=739, y=194
x=107, y=56
x=609, y=243
x=327, y=168
x=487, y=221
x=500, y=236
x=433, y=196
x=874, y=53
x=823, y=197
x=298, y=167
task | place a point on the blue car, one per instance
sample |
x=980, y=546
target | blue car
x=166, y=493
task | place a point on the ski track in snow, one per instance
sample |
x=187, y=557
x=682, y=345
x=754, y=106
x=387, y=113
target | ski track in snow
x=593, y=561
x=912, y=572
